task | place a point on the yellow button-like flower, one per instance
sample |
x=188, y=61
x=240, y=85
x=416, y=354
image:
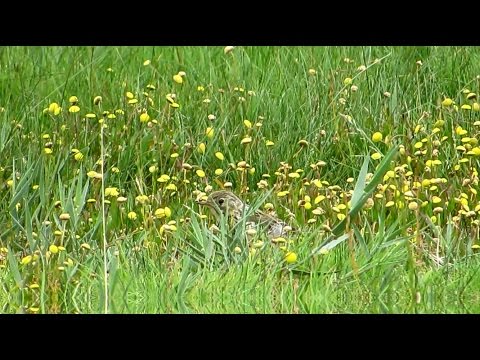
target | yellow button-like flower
x=163, y=178
x=247, y=124
x=132, y=215
x=290, y=257
x=201, y=148
x=163, y=212
x=73, y=109
x=78, y=156
x=219, y=155
x=413, y=205
x=178, y=79
x=447, y=102
x=209, y=132
x=64, y=216
x=246, y=140
x=377, y=137
x=376, y=156
x=142, y=199
x=200, y=173
x=26, y=260
x=111, y=191
x=144, y=117
x=53, y=249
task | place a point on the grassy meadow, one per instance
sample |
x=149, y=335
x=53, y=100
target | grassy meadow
x=371, y=153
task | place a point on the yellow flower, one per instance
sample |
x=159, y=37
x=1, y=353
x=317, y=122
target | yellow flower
x=64, y=216
x=290, y=257
x=171, y=187
x=377, y=137
x=73, y=100
x=111, y=191
x=26, y=260
x=476, y=106
x=376, y=156
x=209, y=132
x=178, y=79
x=247, y=124
x=163, y=212
x=218, y=172
x=219, y=155
x=132, y=215
x=54, y=108
x=201, y=148
x=413, y=205
x=447, y=102
x=200, y=173
x=347, y=81
x=142, y=199
x=246, y=140
x=283, y=193
x=318, y=199
x=146, y=62
x=312, y=72
x=94, y=174
x=163, y=178
x=78, y=156
x=53, y=249
x=317, y=183
x=476, y=151
x=269, y=143
x=73, y=109
x=144, y=117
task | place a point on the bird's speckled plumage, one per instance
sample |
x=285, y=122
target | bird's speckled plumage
x=228, y=204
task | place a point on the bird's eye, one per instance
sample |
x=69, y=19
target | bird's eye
x=221, y=201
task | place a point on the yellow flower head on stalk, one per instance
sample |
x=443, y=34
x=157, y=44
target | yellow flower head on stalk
x=447, y=102
x=144, y=117
x=163, y=212
x=377, y=137
x=209, y=132
x=142, y=199
x=247, y=123
x=178, y=78
x=111, y=191
x=54, y=109
x=74, y=109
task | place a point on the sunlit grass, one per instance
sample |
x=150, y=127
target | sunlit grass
x=285, y=128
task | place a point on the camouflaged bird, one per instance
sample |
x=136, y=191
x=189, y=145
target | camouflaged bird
x=228, y=204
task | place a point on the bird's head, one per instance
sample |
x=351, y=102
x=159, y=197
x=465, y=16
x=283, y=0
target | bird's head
x=222, y=202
